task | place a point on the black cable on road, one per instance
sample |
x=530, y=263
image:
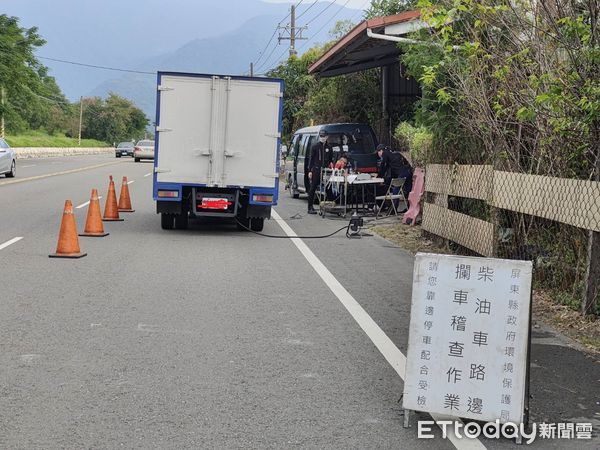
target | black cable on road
x=346, y=227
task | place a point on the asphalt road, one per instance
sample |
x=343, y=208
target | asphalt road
x=211, y=337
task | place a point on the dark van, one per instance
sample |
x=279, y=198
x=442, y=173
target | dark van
x=357, y=140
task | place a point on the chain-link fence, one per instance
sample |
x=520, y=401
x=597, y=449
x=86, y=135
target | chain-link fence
x=554, y=222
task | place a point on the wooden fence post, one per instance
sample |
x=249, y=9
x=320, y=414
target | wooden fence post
x=592, y=274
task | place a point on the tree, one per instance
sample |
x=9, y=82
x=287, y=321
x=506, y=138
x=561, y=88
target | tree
x=381, y=8
x=347, y=98
x=30, y=92
x=516, y=85
x=112, y=120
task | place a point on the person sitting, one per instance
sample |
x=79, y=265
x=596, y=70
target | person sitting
x=342, y=162
x=394, y=165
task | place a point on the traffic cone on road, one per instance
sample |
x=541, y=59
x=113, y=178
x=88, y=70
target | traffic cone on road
x=111, y=209
x=93, y=224
x=68, y=242
x=124, y=199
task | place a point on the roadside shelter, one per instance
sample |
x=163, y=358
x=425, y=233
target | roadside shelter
x=374, y=44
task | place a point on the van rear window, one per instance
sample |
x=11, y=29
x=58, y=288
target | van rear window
x=358, y=143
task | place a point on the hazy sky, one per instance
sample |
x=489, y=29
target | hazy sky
x=355, y=4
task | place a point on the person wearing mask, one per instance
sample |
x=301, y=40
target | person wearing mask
x=394, y=165
x=320, y=156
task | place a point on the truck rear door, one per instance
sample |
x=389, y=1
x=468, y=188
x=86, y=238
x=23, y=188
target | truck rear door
x=218, y=131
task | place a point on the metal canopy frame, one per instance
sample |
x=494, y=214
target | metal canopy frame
x=356, y=51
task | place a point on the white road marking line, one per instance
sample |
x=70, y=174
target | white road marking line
x=12, y=241
x=132, y=181
x=65, y=172
x=83, y=205
x=148, y=174
x=28, y=165
x=384, y=344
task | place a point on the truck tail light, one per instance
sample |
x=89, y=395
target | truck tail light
x=262, y=198
x=168, y=194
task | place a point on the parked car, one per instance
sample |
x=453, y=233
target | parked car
x=144, y=149
x=124, y=149
x=357, y=140
x=8, y=160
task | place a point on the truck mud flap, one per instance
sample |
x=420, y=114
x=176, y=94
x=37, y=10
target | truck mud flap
x=168, y=207
x=258, y=212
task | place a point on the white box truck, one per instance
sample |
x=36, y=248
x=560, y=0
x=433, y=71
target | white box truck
x=217, y=148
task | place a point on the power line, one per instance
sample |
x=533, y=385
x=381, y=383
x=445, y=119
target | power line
x=260, y=55
x=361, y=10
x=307, y=9
x=93, y=66
x=53, y=100
x=327, y=22
x=322, y=12
x=268, y=58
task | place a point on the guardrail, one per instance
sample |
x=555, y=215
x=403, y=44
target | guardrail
x=49, y=152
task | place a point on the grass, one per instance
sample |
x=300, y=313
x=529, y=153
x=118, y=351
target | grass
x=560, y=310
x=43, y=139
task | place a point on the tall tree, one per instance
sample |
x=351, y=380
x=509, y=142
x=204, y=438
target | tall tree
x=30, y=91
x=112, y=120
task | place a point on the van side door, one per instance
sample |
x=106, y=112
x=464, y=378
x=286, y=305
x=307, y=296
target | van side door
x=291, y=160
x=300, y=163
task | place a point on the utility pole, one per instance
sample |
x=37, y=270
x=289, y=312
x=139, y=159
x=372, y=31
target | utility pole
x=2, y=93
x=292, y=33
x=80, y=118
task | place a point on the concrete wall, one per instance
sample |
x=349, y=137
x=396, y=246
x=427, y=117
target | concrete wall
x=41, y=152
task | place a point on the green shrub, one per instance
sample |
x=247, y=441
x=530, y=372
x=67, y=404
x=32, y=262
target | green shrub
x=418, y=141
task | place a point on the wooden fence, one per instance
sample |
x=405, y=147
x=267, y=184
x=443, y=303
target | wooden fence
x=568, y=201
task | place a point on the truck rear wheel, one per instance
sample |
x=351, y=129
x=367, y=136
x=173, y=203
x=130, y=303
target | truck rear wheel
x=257, y=224
x=166, y=221
x=181, y=221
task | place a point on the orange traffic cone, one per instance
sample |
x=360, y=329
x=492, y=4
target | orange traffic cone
x=111, y=210
x=68, y=242
x=124, y=199
x=93, y=224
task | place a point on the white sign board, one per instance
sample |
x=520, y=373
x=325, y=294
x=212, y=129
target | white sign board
x=468, y=341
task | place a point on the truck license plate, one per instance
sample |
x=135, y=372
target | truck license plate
x=215, y=203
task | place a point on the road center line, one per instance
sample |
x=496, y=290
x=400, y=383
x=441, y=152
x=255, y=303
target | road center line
x=64, y=172
x=148, y=174
x=83, y=205
x=28, y=165
x=12, y=241
x=132, y=181
x=384, y=344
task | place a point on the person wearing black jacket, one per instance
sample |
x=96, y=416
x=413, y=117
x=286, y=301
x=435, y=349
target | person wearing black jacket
x=394, y=165
x=320, y=156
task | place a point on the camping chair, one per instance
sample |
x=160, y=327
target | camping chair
x=393, y=194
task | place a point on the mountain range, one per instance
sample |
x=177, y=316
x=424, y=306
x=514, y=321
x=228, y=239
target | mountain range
x=179, y=35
